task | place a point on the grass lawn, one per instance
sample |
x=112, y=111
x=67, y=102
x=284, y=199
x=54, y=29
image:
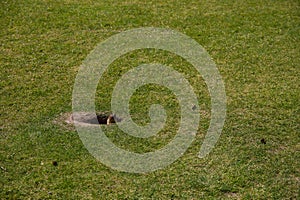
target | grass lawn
x=255, y=45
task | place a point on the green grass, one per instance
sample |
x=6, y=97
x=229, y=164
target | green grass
x=255, y=45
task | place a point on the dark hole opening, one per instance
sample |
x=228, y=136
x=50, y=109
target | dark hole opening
x=102, y=118
x=106, y=118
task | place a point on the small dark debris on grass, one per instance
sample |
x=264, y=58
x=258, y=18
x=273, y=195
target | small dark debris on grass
x=194, y=107
x=54, y=163
x=263, y=141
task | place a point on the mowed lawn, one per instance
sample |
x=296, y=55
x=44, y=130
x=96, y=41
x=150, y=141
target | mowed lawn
x=255, y=45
